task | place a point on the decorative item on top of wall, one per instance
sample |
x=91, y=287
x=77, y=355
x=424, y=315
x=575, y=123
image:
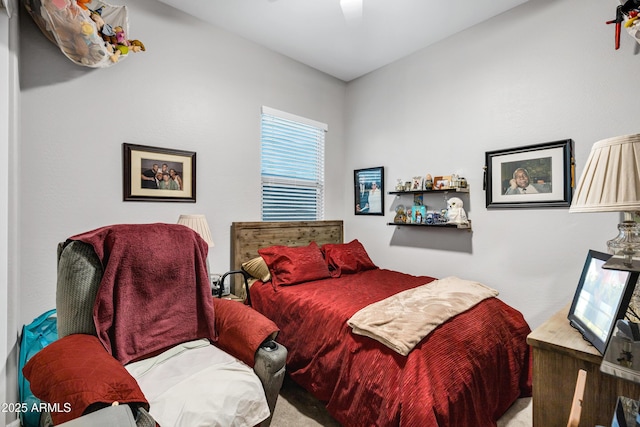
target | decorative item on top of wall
x=368, y=186
x=627, y=12
x=153, y=174
x=90, y=33
x=533, y=176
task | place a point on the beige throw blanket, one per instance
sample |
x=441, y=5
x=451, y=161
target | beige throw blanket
x=401, y=321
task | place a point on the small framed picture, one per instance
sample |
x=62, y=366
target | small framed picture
x=418, y=214
x=154, y=174
x=416, y=183
x=369, y=191
x=442, y=182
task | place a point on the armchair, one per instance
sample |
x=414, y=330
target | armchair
x=83, y=263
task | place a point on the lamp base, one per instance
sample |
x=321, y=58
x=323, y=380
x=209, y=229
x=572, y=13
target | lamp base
x=627, y=242
x=625, y=246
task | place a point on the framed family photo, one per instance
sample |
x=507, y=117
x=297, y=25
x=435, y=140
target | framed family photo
x=155, y=174
x=368, y=186
x=531, y=176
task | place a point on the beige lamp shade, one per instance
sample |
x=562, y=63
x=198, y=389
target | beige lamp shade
x=611, y=178
x=199, y=224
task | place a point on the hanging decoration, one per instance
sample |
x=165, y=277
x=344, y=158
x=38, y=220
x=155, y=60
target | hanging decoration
x=88, y=32
x=627, y=15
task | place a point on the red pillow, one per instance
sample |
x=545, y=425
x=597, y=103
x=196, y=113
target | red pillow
x=241, y=329
x=75, y=372
x=347, y=258
x=292, y=265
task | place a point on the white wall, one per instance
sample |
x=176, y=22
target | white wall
x=196, y=88
x=542, y=72
x=9, y=100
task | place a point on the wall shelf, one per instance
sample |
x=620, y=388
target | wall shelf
x=444, y=192
x=449, y=190
x=445, y=225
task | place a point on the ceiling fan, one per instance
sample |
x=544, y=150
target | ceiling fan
x=352, y=10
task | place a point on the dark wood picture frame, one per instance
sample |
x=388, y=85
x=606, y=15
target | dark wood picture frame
x=141, y=162
x=368, y=191
x=532, y=176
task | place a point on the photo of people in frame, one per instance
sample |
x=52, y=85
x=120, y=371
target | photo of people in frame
x=161, y=175
x=369, y=191
x=531, y=176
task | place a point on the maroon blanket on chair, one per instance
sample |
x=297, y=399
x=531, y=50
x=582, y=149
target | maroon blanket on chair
x=467, y=372
x=155, y=291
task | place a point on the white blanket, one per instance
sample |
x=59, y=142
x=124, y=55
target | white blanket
x=401, y=321
x=226, y=392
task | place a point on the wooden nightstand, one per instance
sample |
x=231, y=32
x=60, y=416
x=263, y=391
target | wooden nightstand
x=559, y=351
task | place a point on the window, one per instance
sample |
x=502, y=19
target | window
x=292, y=167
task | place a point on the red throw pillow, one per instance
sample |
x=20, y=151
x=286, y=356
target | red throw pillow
x=293, y=265
x=347, y=258
x=241, y=329
x=75, y=372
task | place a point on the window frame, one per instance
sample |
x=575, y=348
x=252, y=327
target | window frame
x=311, y=187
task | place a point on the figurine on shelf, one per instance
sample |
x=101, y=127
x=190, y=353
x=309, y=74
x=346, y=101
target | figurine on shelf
x=401, y=216
x=455, y=211
x=428, y=182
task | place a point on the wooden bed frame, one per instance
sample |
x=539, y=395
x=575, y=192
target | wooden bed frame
x=248, y=237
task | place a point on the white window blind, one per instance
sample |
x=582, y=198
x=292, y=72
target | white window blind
x=292, y=167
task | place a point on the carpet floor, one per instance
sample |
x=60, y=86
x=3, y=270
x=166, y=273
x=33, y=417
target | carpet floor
x=297, y=408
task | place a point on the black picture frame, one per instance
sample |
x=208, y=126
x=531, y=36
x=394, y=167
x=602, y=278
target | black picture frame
x=549, y=168
x=139, y=163
x=368, y=191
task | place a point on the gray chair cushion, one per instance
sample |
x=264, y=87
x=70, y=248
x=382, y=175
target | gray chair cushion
x=79, y=275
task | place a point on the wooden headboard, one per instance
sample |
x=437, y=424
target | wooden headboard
x=248, y=237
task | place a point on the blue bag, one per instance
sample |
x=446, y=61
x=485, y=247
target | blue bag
x=35, y=336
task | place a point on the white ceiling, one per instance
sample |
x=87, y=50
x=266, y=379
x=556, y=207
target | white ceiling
x=316, y=33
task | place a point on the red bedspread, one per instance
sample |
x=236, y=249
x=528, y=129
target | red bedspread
x=465, y=373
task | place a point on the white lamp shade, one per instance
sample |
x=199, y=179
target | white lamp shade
x=611, y=178
x=199, y=224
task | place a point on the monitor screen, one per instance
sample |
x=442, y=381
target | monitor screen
x=602, y=297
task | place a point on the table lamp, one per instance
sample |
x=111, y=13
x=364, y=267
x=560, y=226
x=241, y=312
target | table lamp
x=611, y=183
x=199, y=224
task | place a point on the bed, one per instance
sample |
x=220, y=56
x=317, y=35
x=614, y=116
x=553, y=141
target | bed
x=467, y=372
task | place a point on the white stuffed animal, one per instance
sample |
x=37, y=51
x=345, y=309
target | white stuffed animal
x=455, y=211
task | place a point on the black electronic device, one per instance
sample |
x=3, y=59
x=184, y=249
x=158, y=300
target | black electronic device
x=622, y=358
x=601, y=298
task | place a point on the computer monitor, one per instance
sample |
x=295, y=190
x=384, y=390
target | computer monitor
x=602, y=297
